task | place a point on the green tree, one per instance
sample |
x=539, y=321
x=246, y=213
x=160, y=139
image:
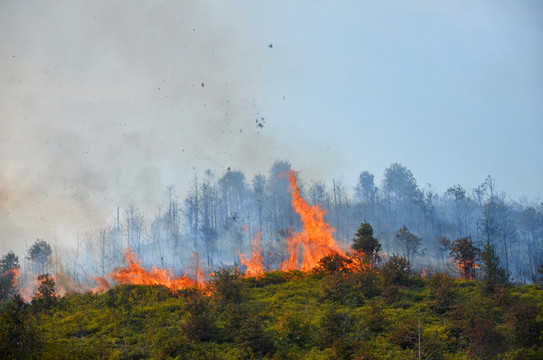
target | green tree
x=18, y=331
x=492, y=274
x=409, y=243
x=294, y=329
x=200, y=323
x=396, y=270
x=527, y=324
x=366, y=244
x=466, y=256
x=336, y=332
x=442, y=293
x=228, y=285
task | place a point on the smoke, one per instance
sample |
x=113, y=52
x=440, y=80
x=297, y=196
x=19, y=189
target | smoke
x=104, y=104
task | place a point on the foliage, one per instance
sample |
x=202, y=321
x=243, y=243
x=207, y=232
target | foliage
x=442, y=293
x=46, y=293
x=366, y=244
x=333, y=263
x=396, y=270
x=526, y=322
x=492, y=274
x=466, y=256
x=228, y=285
x=200, y=322
x=299, y=317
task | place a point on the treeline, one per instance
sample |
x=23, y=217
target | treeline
x=218, y=216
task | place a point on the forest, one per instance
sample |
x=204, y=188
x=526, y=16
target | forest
x=278, y=267
x=218, y=217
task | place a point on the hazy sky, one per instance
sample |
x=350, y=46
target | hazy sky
x=103, y=103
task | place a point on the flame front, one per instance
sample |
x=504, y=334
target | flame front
x=254, y=264
x=136, y=274
x=316, y=239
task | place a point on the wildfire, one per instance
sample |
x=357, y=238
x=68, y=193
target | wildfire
x=316, y=239
x=254, y=264
x=467, y=268
x=136, y=274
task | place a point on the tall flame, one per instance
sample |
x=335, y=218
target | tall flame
x=254, y=264
x=316, y=239
x=136, y=274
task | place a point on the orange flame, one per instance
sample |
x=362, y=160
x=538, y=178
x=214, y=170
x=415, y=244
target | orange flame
x=254, y=264
x=136, y=274
x=316, y=239
x=103, y=285
x=467, y=268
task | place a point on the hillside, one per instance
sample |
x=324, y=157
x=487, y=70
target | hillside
x=322, y=314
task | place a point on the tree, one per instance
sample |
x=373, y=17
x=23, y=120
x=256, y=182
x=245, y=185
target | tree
x=493, y=275
x=442, y=293
x=200, y=322
x=365, y=189
x=365, y=243
x=47, y=292
x=396, y=270
x=460, y=210
x=409, y=243
x=9, y=265
x=9, y=262
x=400, y=186
x=259, y=195
x=466, y=256
x=40, y=255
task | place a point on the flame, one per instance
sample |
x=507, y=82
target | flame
x=466, y=268
x=136, y=274
x=103, y=285
x=316, y=239
x=254, y=264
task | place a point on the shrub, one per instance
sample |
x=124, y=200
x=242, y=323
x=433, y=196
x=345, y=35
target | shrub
x=396, y=270
x=442, y=293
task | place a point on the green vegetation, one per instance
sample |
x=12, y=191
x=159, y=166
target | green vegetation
x=326, y=314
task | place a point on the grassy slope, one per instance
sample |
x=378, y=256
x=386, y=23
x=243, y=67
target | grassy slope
x=294, y=318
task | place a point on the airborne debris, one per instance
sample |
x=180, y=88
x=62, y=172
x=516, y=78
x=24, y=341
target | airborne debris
x=270, y=46
x=202, y=84
x=260, y=122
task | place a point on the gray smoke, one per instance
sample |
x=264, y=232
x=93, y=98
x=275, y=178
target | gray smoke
x=104, y=104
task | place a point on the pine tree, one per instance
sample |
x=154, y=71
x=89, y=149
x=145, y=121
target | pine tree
x=364, y=242
x=493, y=275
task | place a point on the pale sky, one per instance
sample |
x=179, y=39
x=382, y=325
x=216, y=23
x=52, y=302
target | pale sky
x=105, y=103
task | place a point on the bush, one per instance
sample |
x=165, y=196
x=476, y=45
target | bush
x=442, y=293
x=396, y=270
x=526, y=322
